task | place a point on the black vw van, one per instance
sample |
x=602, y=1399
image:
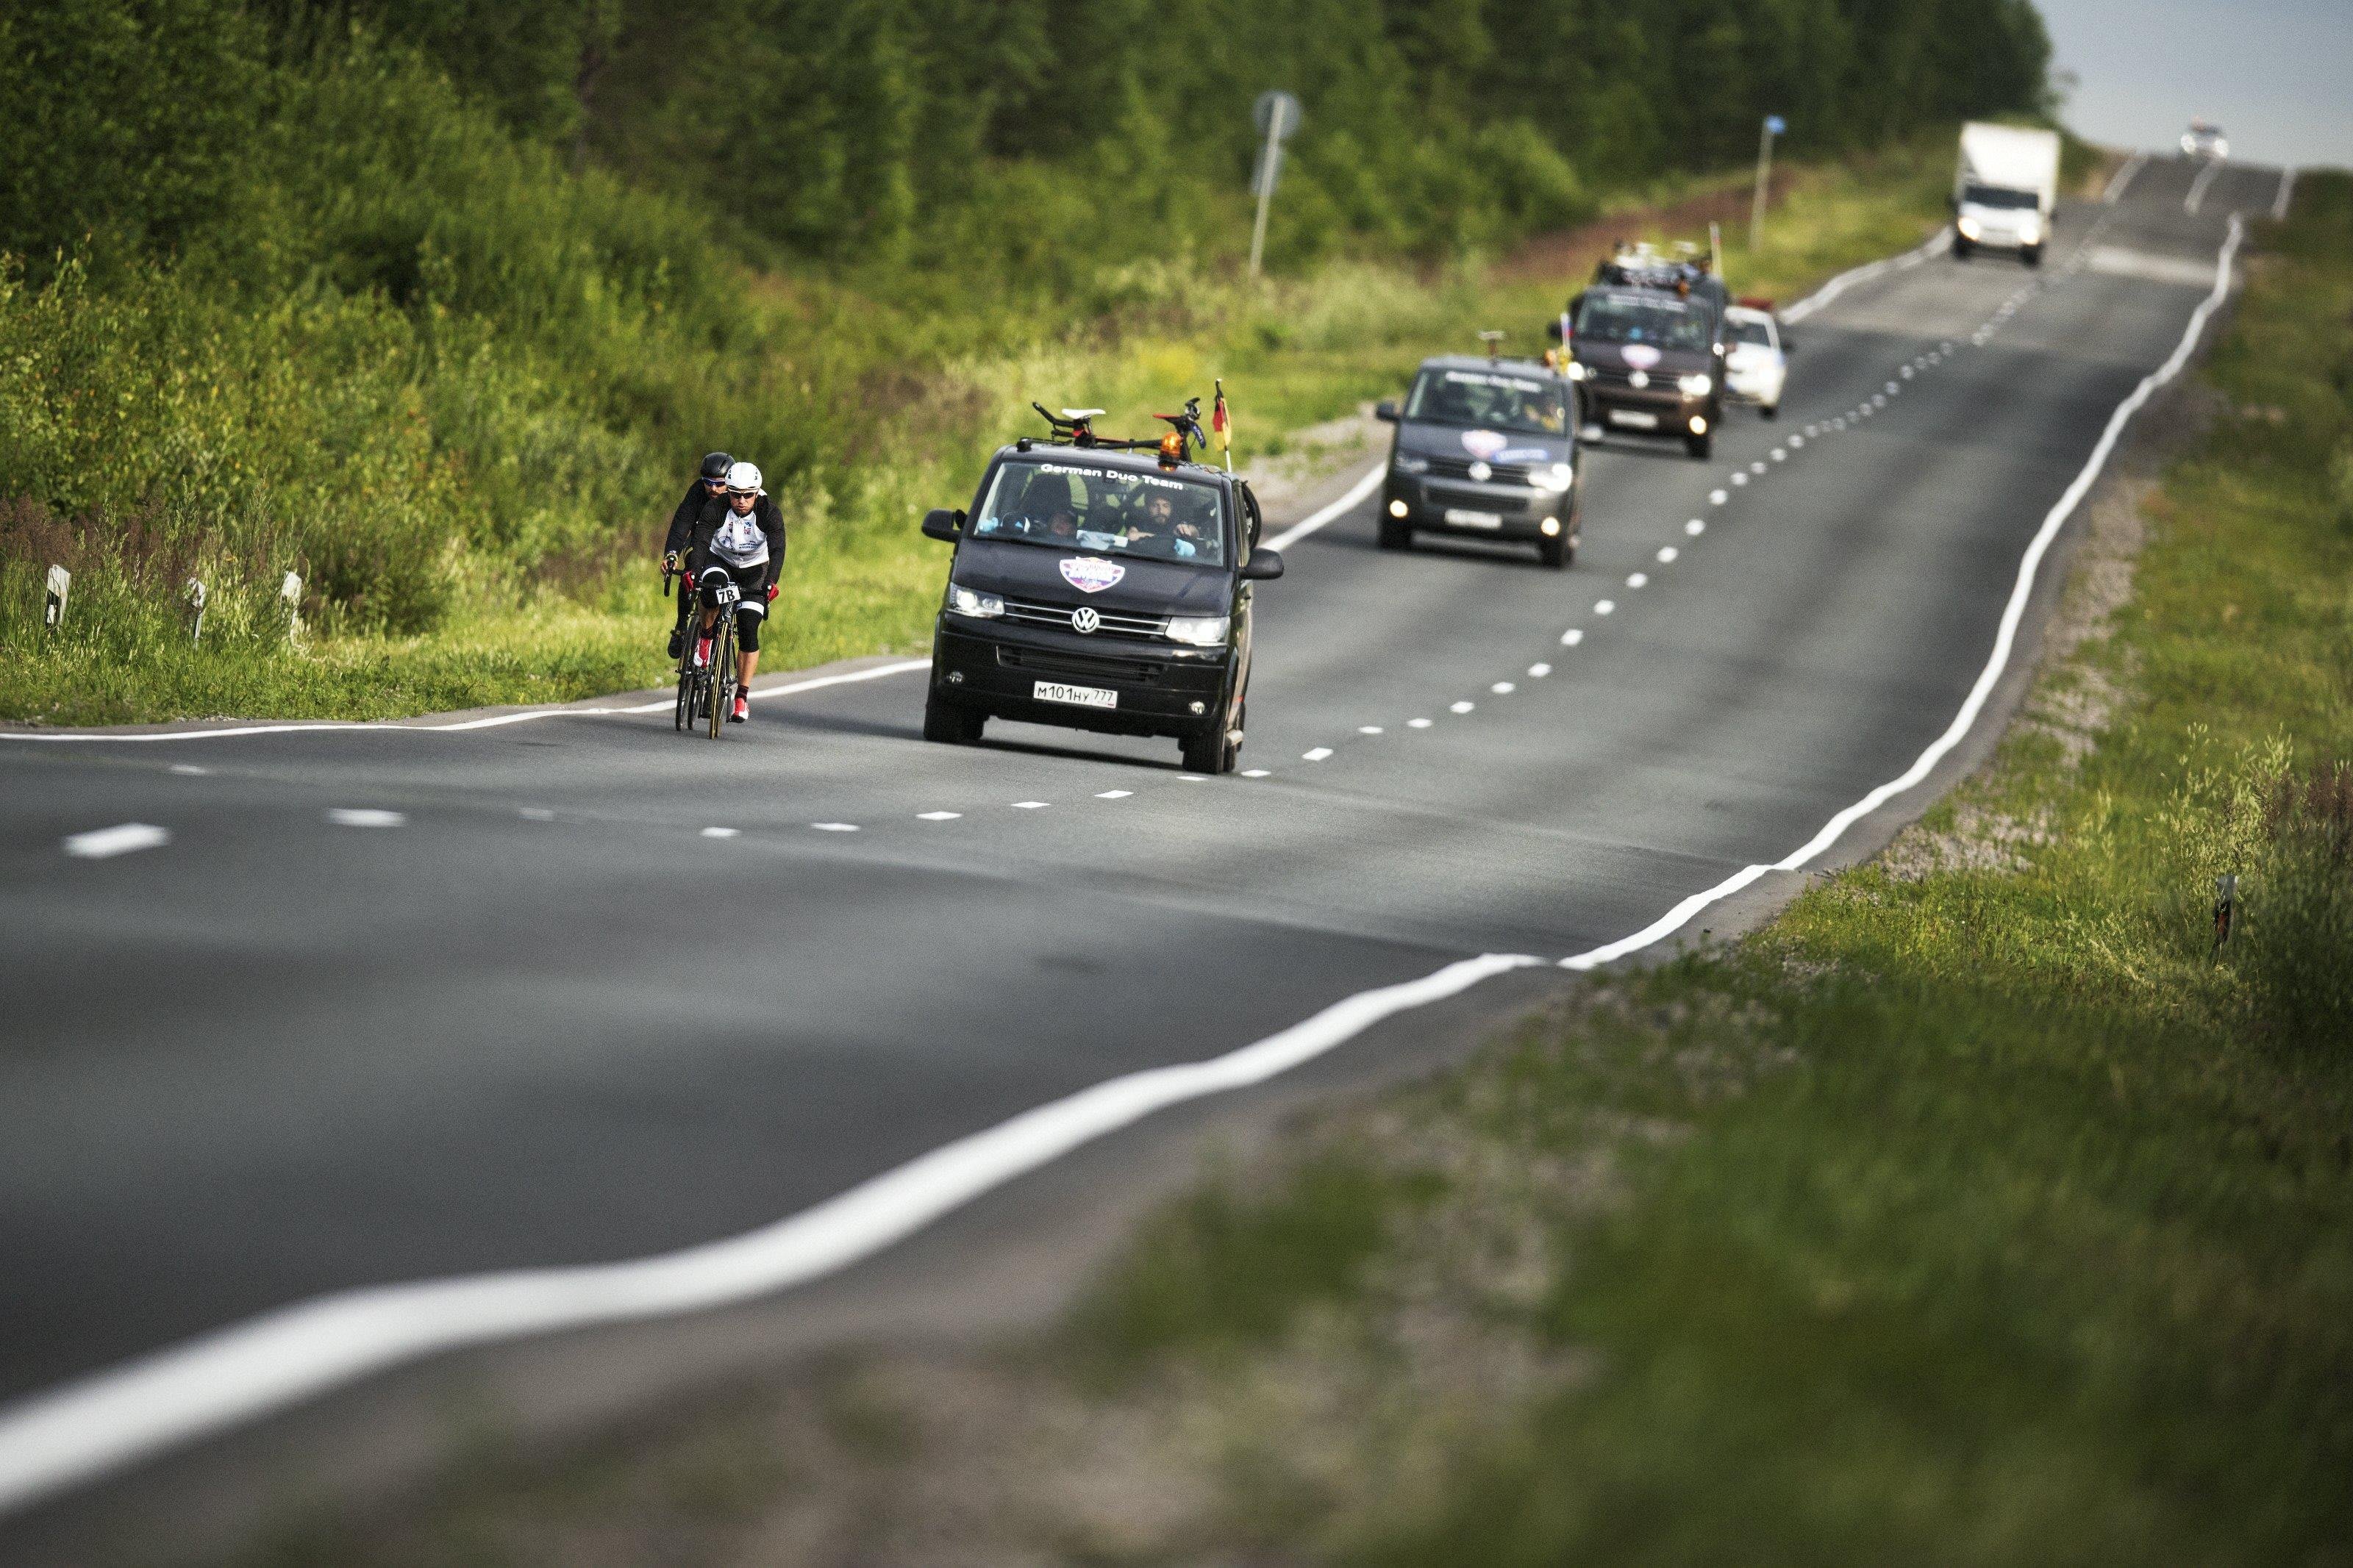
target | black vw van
x=1646, y=349
x=1102, y=590
x=1486, y=448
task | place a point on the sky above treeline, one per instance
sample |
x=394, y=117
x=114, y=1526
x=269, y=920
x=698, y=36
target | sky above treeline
x=2276, y=75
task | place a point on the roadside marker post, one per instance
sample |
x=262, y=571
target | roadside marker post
x=2226, y=908
x=53, y=608
x=289, y=593
x=1774, y=126
x=195, y=599
x=1277, y=113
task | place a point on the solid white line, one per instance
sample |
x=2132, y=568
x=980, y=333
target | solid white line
x=536, y=814
x=495, y=721
x=2279, y=203
x=2005, y=638
x=2121, y=178
x=365, y=816
x=2190, y=203
x=1935, y=245
x=104, y=843
x=1332, y=513
x=102, y=1423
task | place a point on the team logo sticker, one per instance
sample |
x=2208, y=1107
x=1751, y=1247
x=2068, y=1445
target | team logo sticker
x=1641, y=356
x=1091, y=574
x=1483, y=444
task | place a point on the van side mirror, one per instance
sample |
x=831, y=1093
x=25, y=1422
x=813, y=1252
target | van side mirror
x=1385, y=410
x=941, y=523
x=1263, y=566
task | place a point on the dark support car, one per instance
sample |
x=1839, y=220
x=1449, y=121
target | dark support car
x=1486, y=448
x=1648, y=357
x=1100, y=590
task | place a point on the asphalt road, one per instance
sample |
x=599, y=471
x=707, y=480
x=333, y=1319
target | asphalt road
x=528, y=1008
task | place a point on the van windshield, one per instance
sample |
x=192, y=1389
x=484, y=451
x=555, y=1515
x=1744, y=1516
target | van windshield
x=1660, y=320
x=1492, y=400
x=1997, y=197
x=1077, y=506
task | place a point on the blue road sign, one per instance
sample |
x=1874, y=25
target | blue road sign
x=1775, y=125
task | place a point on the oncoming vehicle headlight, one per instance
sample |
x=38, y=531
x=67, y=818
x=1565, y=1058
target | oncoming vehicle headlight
x=1411, y=465
x=2029, y=231
x=1970, y=228
x=1556, y=478
x=1201, y=631
x=979, y=607
x=1696, y=385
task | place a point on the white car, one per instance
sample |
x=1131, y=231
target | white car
x=1756, y=362
x=2204, y=141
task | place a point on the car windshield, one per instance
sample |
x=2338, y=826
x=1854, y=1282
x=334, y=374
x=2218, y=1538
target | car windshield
x=1744, y=332
x=1494, y=400
x=1996, y=196
x=1654, y=319
x=1077, y=506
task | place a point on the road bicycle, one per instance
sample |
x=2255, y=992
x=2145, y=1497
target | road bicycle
x=707, y=694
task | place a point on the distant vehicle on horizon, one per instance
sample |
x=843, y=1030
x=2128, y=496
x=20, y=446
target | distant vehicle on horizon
x=2005, y=190
x=2205, y=140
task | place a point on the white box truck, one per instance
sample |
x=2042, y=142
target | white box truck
x=2005, y=190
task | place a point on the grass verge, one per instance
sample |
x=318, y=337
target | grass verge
x=1295, y=355
x=1977, y=1211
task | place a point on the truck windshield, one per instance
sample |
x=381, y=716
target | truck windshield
x=1494, y=400
x=1077, y=506
x=1632, y=318
x=1996, y=196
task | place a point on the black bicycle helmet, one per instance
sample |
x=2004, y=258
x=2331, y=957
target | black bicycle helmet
x=715, y=464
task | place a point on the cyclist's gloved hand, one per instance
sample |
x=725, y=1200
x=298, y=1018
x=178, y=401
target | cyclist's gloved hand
x=772, y=592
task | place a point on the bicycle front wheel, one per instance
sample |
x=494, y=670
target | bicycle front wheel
x=723, y=672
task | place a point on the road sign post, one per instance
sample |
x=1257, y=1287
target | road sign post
x=1774, y=126
x=1277, y=113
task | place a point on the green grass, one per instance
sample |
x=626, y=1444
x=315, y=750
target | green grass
x=1966, y=1216
x=1293, y=353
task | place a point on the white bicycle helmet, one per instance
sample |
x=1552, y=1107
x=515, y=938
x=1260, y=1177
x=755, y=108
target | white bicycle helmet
x=743, y=479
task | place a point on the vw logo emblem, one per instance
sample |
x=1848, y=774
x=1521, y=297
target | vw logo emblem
x=1084, y=620
x=1482, y=472
x=1639, y=380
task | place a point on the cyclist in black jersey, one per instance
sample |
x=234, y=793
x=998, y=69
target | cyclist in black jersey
x=710, y=484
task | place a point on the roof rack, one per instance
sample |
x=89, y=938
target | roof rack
x=1075, y=427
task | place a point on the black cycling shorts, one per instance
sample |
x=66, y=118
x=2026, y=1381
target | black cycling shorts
x=750, y=610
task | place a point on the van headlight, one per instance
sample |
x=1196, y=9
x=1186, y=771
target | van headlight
x=1201, y=631
x=1410, y=464
x=1970, y=228
x=2030, y=233
x=979, y=607
x=1557, y=477
x=1696, y=385
x=1576, y=372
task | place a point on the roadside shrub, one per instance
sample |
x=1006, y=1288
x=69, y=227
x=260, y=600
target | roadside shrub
x=2296, y=955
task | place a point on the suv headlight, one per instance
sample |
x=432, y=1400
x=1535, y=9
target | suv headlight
x=1557, y=477
x=979, y=607
x=1201, y=631
x=1696, y=385
x=1411, y=465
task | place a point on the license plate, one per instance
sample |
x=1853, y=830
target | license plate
x=1633, y=419
x=1076, y=696
x=1461, y=519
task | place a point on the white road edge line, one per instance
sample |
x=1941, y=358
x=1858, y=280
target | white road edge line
x=111, y=1419
x=2197, y=196
x=393, y=727
x=1332, y=513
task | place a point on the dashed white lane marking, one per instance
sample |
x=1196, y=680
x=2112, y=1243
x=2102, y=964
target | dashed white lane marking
x=1667, y=554
x=1757, y=468
x=1030, y=805
x=116, y=1417
x=103, y=842
x=1314, y=754
x=1781, y=454
x=835, y=826
x=1113, y=794
x=1254, y=772
x=1461, y=707
x=1717, y=498
x=366, y=816
x=1538, y=671
x=1740, y=478
x=720, y=832
x=1502, y=689
x=1906, y=372
x=536, y=814
x=1604, y=606
x=190, y=771
x=1572, y=637
x=938, y=816
x=1813, y=430
x=1368, y=728
x=1418, y=723
x=1192, y=778
x=1638, y=580
x=1696, y=528
x=1892, y=390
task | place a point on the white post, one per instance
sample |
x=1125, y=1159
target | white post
x=289, y=593
x=53, y=609
x=196, y=601
x=1273, y=151
x=1715, y=246
x=1764, y=174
